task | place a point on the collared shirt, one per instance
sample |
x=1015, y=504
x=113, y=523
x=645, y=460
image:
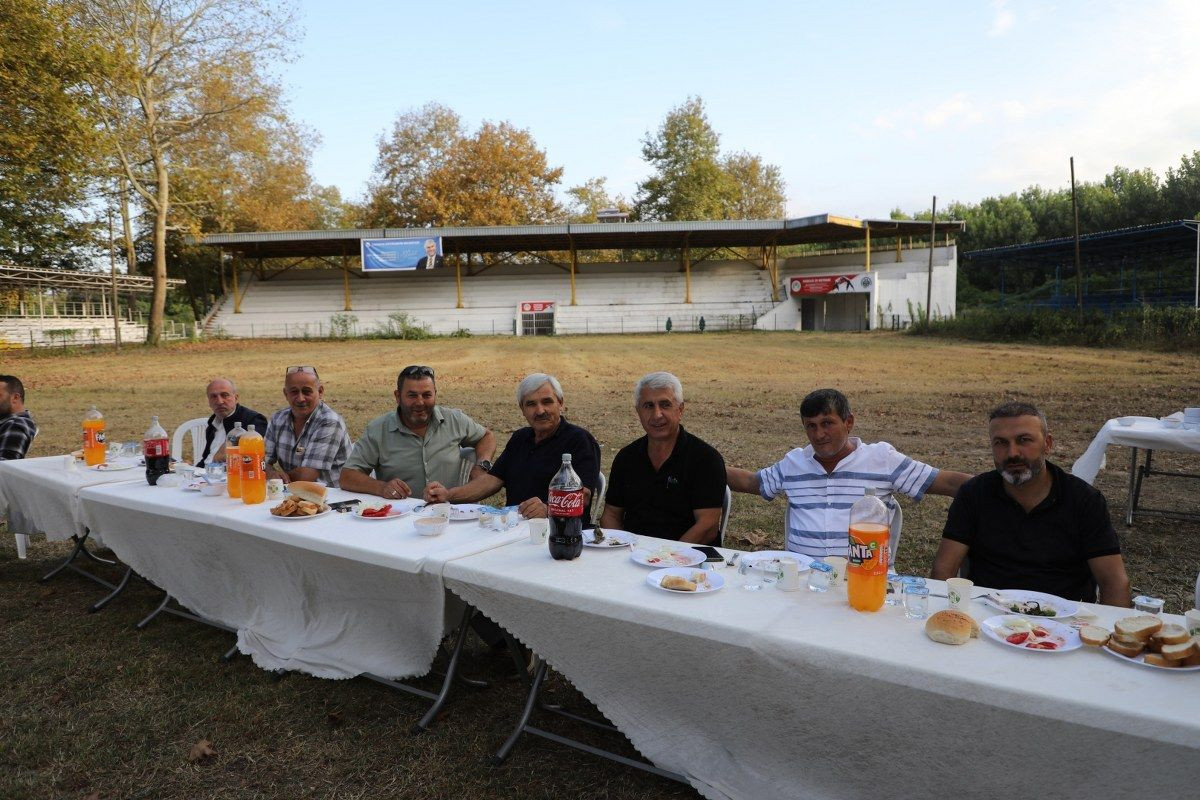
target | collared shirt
x=818, y=521
x=1044, y=550
x=214, y=431
x=16, y=435
x=662, y=502
x=323, y=445
x=526, y=466
x=389, y=449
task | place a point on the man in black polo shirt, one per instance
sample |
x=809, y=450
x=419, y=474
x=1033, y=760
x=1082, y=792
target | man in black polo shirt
x=227, y=412
x=669, y=483
x=1029, y=525
x=533, y=454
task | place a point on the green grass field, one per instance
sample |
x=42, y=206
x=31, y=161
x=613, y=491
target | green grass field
x=93, y=707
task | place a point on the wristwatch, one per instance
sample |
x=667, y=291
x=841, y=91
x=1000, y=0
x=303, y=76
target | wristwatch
x=484, y=465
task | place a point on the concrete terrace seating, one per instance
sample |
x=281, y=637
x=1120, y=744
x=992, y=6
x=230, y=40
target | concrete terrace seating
x=611, y=298
x=17, y=331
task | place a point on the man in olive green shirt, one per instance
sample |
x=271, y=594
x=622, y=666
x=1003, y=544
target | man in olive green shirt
x=416, y=444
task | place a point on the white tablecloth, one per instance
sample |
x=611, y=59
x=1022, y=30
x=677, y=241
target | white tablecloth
x=1147, y=433
x=39, y=495
x=334, y=596
x=780, y=695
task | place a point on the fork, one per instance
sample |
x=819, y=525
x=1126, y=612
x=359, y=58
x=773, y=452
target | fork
x=730, y=562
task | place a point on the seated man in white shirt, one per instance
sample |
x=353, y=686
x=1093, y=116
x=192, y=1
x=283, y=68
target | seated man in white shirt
x=821, y=481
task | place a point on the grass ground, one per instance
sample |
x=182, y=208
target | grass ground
x=92, y=707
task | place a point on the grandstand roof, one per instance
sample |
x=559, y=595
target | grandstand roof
x=78, y=279
x=590, y=236
x=1180, y=232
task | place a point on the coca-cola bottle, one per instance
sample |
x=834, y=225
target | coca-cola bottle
x=565, y=510
x=157, y=451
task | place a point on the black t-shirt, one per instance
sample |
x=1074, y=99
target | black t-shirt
x=526, y=467
x=1046, y=550
x=661, y=502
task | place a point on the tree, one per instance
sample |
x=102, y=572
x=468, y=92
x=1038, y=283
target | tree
x=590, y=198
x=431, y=172
x=758, y=189
x=180, y=67
x=688, y=181
x=47, y=139
x=1181, y=189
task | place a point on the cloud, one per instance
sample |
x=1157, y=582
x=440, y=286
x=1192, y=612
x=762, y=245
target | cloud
x=955, y=109
x=1002, y=19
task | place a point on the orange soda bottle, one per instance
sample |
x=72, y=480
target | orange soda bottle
x=252, y=454
x=867, y=564
x=233, y=461
x=93, y=437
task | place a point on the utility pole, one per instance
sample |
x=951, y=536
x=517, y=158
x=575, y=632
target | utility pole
x=929, y=276
x=1078, y=262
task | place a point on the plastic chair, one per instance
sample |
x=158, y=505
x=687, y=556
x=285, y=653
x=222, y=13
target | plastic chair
x=466, y=462
x=196, y=428
x=22, y=538
x=897, y=528
x=724, y=524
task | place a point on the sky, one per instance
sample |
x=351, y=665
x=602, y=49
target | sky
x=865, y=107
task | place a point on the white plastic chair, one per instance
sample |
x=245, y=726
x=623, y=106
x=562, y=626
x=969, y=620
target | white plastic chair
x=22, y=538
x=894, y=533
x=196, y=428
x=466, y=462
x=726, y=504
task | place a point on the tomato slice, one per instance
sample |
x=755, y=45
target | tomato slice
x=1042, y=646
x=1017, y=638
x=377, y=512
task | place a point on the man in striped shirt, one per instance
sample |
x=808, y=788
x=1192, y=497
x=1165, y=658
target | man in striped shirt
x=821, y=481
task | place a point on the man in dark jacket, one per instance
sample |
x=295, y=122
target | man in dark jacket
x=223, y=400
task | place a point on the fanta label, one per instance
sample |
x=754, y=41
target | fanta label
x=249, y=465
x=565, y=504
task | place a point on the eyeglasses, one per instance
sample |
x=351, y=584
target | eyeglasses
x=310, y=370
x=415, y=371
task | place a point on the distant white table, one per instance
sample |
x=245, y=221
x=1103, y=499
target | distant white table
x=1146, y=433
x=333, y=596
x=770, y=694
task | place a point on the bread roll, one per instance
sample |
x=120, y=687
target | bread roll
x=1093, y=635
x=1142, y=627
x=677, y=583
x=307, y=490
x=951, y=627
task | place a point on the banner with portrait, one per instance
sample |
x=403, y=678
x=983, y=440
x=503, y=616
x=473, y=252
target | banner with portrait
x=409, y=253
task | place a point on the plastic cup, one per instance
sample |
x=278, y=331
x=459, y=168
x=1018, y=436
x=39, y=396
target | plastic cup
x=539, y=531
x=895, y=589
x=752, y=575
x=958, y=593
x=916, y=602
x=819, y=575
x=839, y=569
x=1191, y=621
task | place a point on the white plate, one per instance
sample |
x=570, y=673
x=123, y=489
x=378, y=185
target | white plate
x=766, y=555
x=613, y=539
x=114, y=466
x=1064, y=608
x=715, y=580
x=392, y=514
x=667, y=557
x=327, y=510
x=461, y=512
x=1067, y=637
x=1140, y=660
x=194, y=486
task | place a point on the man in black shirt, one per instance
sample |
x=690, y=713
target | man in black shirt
x=533, y=454
x=669, y=483
x=1030, y=525
x=223, y=400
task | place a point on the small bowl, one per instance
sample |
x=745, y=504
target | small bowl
x=1126, y=421
x=212, y=489
x=1171, y=423
x=436, y=510
x=431, y=526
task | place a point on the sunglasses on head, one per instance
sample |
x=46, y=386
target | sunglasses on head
x=416, y=371
x=310, y=370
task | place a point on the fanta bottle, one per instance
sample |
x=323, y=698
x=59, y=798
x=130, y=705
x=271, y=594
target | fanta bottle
x=93, y=437
x=233, y=462
x=867, y=564
x=254, y=468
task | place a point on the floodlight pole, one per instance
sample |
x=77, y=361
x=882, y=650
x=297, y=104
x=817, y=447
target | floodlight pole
x=929, y=276
x=1196, y=302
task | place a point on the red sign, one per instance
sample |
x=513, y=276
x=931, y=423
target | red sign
x=533, y=306
x=821, y=284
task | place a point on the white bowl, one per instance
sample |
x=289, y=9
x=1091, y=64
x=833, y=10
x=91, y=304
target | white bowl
x=436, y=510
x=1126, y=421
x=431, y=526
x=212, y=489
x=1171, y=423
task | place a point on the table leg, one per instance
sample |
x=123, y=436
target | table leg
x=150, y=617
x=1133, y=459
x=451, y=671
x=120, y=587
x=531, y=701
x=78, y=550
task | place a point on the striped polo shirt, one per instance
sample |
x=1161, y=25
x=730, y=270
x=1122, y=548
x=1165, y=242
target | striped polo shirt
x=818, y=518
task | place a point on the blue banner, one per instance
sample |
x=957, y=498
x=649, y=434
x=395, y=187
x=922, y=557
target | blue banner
x=418, y=252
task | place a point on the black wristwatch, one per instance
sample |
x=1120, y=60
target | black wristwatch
x=484, y=465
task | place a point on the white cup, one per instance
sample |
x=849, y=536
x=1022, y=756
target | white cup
x=274, y=488
x=1191, y=621
x=69, y=463
x=539, y=531
x=839, y=569
x=958, y=593
x=789, y=575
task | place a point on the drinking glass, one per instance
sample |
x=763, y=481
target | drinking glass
x=114, y=450
x=895, y=589
x=752, y=575
x=129, y=450
x=916, y=602
x=214, y=471
x=819, y=575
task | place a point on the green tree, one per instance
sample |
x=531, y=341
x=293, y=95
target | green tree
x=758, y=188
x=590, y=198
x=689, y=181
x=1181, y=189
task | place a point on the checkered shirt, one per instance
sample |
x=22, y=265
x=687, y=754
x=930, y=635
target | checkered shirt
x=16, y=435
x=324, y=443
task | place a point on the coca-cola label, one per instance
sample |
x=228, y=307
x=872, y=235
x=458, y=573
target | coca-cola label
x=156, y=448
x=565, y=504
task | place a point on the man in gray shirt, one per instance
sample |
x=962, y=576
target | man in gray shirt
x=416, y=444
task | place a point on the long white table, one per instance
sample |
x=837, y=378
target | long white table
x=780, y=695
x=1146, y=433
x=333, y=596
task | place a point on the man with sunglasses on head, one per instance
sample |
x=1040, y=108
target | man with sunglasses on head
x=415, y=444
x=308, y=439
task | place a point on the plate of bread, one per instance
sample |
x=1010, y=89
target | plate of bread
x=684, y=580
x=306, y=501
x=1148, y=641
